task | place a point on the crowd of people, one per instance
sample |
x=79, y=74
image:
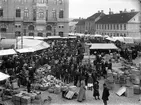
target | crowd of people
x=65, y=59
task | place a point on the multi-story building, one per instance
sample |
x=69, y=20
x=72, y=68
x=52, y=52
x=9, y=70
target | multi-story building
x=90, y=22
x=34, y=18
x=80, y=26
x=88, y=25
x=125, y=24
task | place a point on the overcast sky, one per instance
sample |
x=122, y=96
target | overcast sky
x=86, y=8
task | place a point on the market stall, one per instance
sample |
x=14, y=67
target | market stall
x=7, y=52
x=102, y=47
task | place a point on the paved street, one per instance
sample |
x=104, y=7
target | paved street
x=113, y=99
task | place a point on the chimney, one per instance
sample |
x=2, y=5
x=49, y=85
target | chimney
x=132, y=10
x=101, y=11
x=98, y=11
x=125, y=11
x=110, y=12
x=120, y=11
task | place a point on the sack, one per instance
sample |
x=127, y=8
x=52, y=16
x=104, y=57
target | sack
x=50, y=90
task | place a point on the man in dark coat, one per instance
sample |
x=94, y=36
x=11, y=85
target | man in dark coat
x=105, y=94
x=28, y=85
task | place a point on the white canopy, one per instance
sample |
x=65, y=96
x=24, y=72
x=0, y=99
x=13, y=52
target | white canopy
x=25, y=50
x=30, y=43
x=98, y=35
x=7, y=52
x=103, y=46
x=3, y=76
x=53, y=37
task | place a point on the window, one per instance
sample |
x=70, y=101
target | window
x=41, y=14
x=60, y=1
x=34, y=14
x=46, y=15
x=120, y=26
x=48, y=34
x=18, y=26
x=105, y=27
x=49, y=28
x=40, y=34
x=124, y=35
x=61, y=14
x=1, y=12
x=124, y=26
x=61, y=34
x=31, y=34
x=26, y=13
x=18, y=13
x=99, y=26
x=3, y=30
x=54, y=13
x=40, y=1
x=114, y=26
x=111, y=26
x=117, y=27
x=102, y=26
x=31, y=27
x=108, y=26
x=17, y=33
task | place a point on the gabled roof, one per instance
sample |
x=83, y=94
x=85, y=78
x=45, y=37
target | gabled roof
x=94, y=16
x=117, y=18
x=81, y=22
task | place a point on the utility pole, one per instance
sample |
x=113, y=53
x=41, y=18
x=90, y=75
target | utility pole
x=21, y=40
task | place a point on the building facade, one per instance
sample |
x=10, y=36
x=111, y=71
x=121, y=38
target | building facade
x=34, y=18
x=125, y=24
x=80, y=26
x=90, y=26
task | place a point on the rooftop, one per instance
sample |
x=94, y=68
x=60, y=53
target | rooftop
x=94, y=16
x=81, y=22
x=117, y=18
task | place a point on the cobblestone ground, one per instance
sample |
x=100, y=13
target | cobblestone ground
x=113, y=99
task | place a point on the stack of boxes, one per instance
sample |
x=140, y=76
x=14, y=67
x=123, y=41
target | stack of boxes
x=23, y=98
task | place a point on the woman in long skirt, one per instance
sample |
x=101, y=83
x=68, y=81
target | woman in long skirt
x=96, y=90
x=81, y=94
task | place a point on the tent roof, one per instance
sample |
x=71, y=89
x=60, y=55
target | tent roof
x=103, y=46
x=7, y=52
x=7, y=43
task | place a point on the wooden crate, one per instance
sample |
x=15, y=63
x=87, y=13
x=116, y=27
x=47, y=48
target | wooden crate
x=26, y=99
x=129, y=92
x=136, y=89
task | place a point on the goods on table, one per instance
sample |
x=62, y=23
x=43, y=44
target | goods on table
x=45, y=81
